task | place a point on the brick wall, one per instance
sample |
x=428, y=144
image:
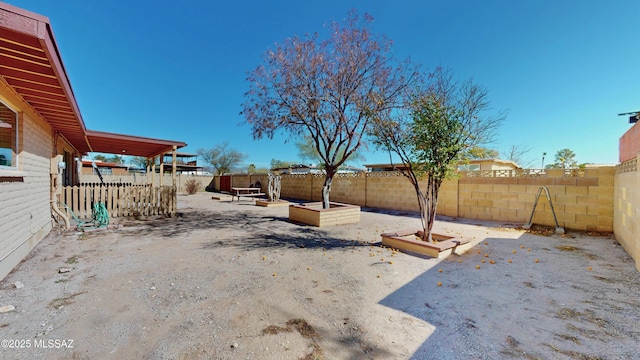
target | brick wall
x=626, y=209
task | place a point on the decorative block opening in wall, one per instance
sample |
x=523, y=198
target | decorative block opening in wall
x=313, y=214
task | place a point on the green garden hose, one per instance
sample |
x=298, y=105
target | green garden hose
x=99, y=216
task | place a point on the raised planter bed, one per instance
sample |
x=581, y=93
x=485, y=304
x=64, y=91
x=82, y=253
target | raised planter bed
x=314, y=214
x=410, y=240
x=267, y=203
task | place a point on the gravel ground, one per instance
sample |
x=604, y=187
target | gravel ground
x=230, y=280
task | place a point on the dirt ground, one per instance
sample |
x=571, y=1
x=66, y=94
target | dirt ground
x=230, y=280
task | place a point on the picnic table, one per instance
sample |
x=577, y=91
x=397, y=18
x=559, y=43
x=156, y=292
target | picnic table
x=245, y=191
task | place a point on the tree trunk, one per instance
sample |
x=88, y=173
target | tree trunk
x=433, y=185
x=422, y=202
x=422, y=205
x=326, y=189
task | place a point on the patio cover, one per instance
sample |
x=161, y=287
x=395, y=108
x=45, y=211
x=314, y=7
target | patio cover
x=110, y=143
x=31, y=65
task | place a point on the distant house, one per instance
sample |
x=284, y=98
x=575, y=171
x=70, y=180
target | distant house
x=297, y=169
x=105, y=168
x=185, y=164
x=488, y=164
x=470, y=165
x=42, y=133
x=350, y=170
x=313, y=169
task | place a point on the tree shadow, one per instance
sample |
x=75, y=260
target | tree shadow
x=408, y=214
x=350, y=343
x=185, y=223
x=241, y=229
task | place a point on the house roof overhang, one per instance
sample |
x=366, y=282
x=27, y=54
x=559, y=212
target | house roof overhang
x=31, y=65
x=120, y=144
x=87, y=163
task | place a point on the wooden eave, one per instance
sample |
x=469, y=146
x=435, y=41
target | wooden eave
x=31, y=65
x=100, y=164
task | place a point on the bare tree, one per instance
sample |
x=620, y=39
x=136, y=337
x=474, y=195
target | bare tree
x=518, y=153
x=307, y=151
x=115, y=159
x=222, y=157
x=480, y=152
x=279, y=164
x=329, y=89
x=140, y=161
x=443, y=123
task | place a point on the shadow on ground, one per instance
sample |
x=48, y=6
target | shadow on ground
x=348, y=340
x=243, y=229
x=542, y=298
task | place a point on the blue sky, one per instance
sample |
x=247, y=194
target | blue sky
x=176, y=70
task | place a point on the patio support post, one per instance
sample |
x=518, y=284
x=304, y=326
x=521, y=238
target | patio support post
x=161, y=169
x=173, y=179
x=153, y=173
x=173, y=171
x=148, y=172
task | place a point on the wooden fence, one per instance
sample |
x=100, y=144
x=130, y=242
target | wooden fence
x=119, y=199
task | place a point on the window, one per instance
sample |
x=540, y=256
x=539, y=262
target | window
x=8, y=136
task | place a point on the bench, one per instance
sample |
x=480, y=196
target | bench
x=248, y=192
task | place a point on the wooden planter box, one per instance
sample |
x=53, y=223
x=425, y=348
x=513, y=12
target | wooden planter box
x=409, y=240
x=314, y=214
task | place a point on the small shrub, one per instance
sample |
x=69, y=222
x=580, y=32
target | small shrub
x=192, y=186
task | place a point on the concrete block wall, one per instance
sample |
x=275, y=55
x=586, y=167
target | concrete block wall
x=181, y=179
x=241, y=180
x=626, y=209
x=390, y=190
x=582, y=203
x=448, y=198
x=386, y=190
x=216, y=183
x=263, y=179
x=296, y=186
x=317, y=182
x=346, y=188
